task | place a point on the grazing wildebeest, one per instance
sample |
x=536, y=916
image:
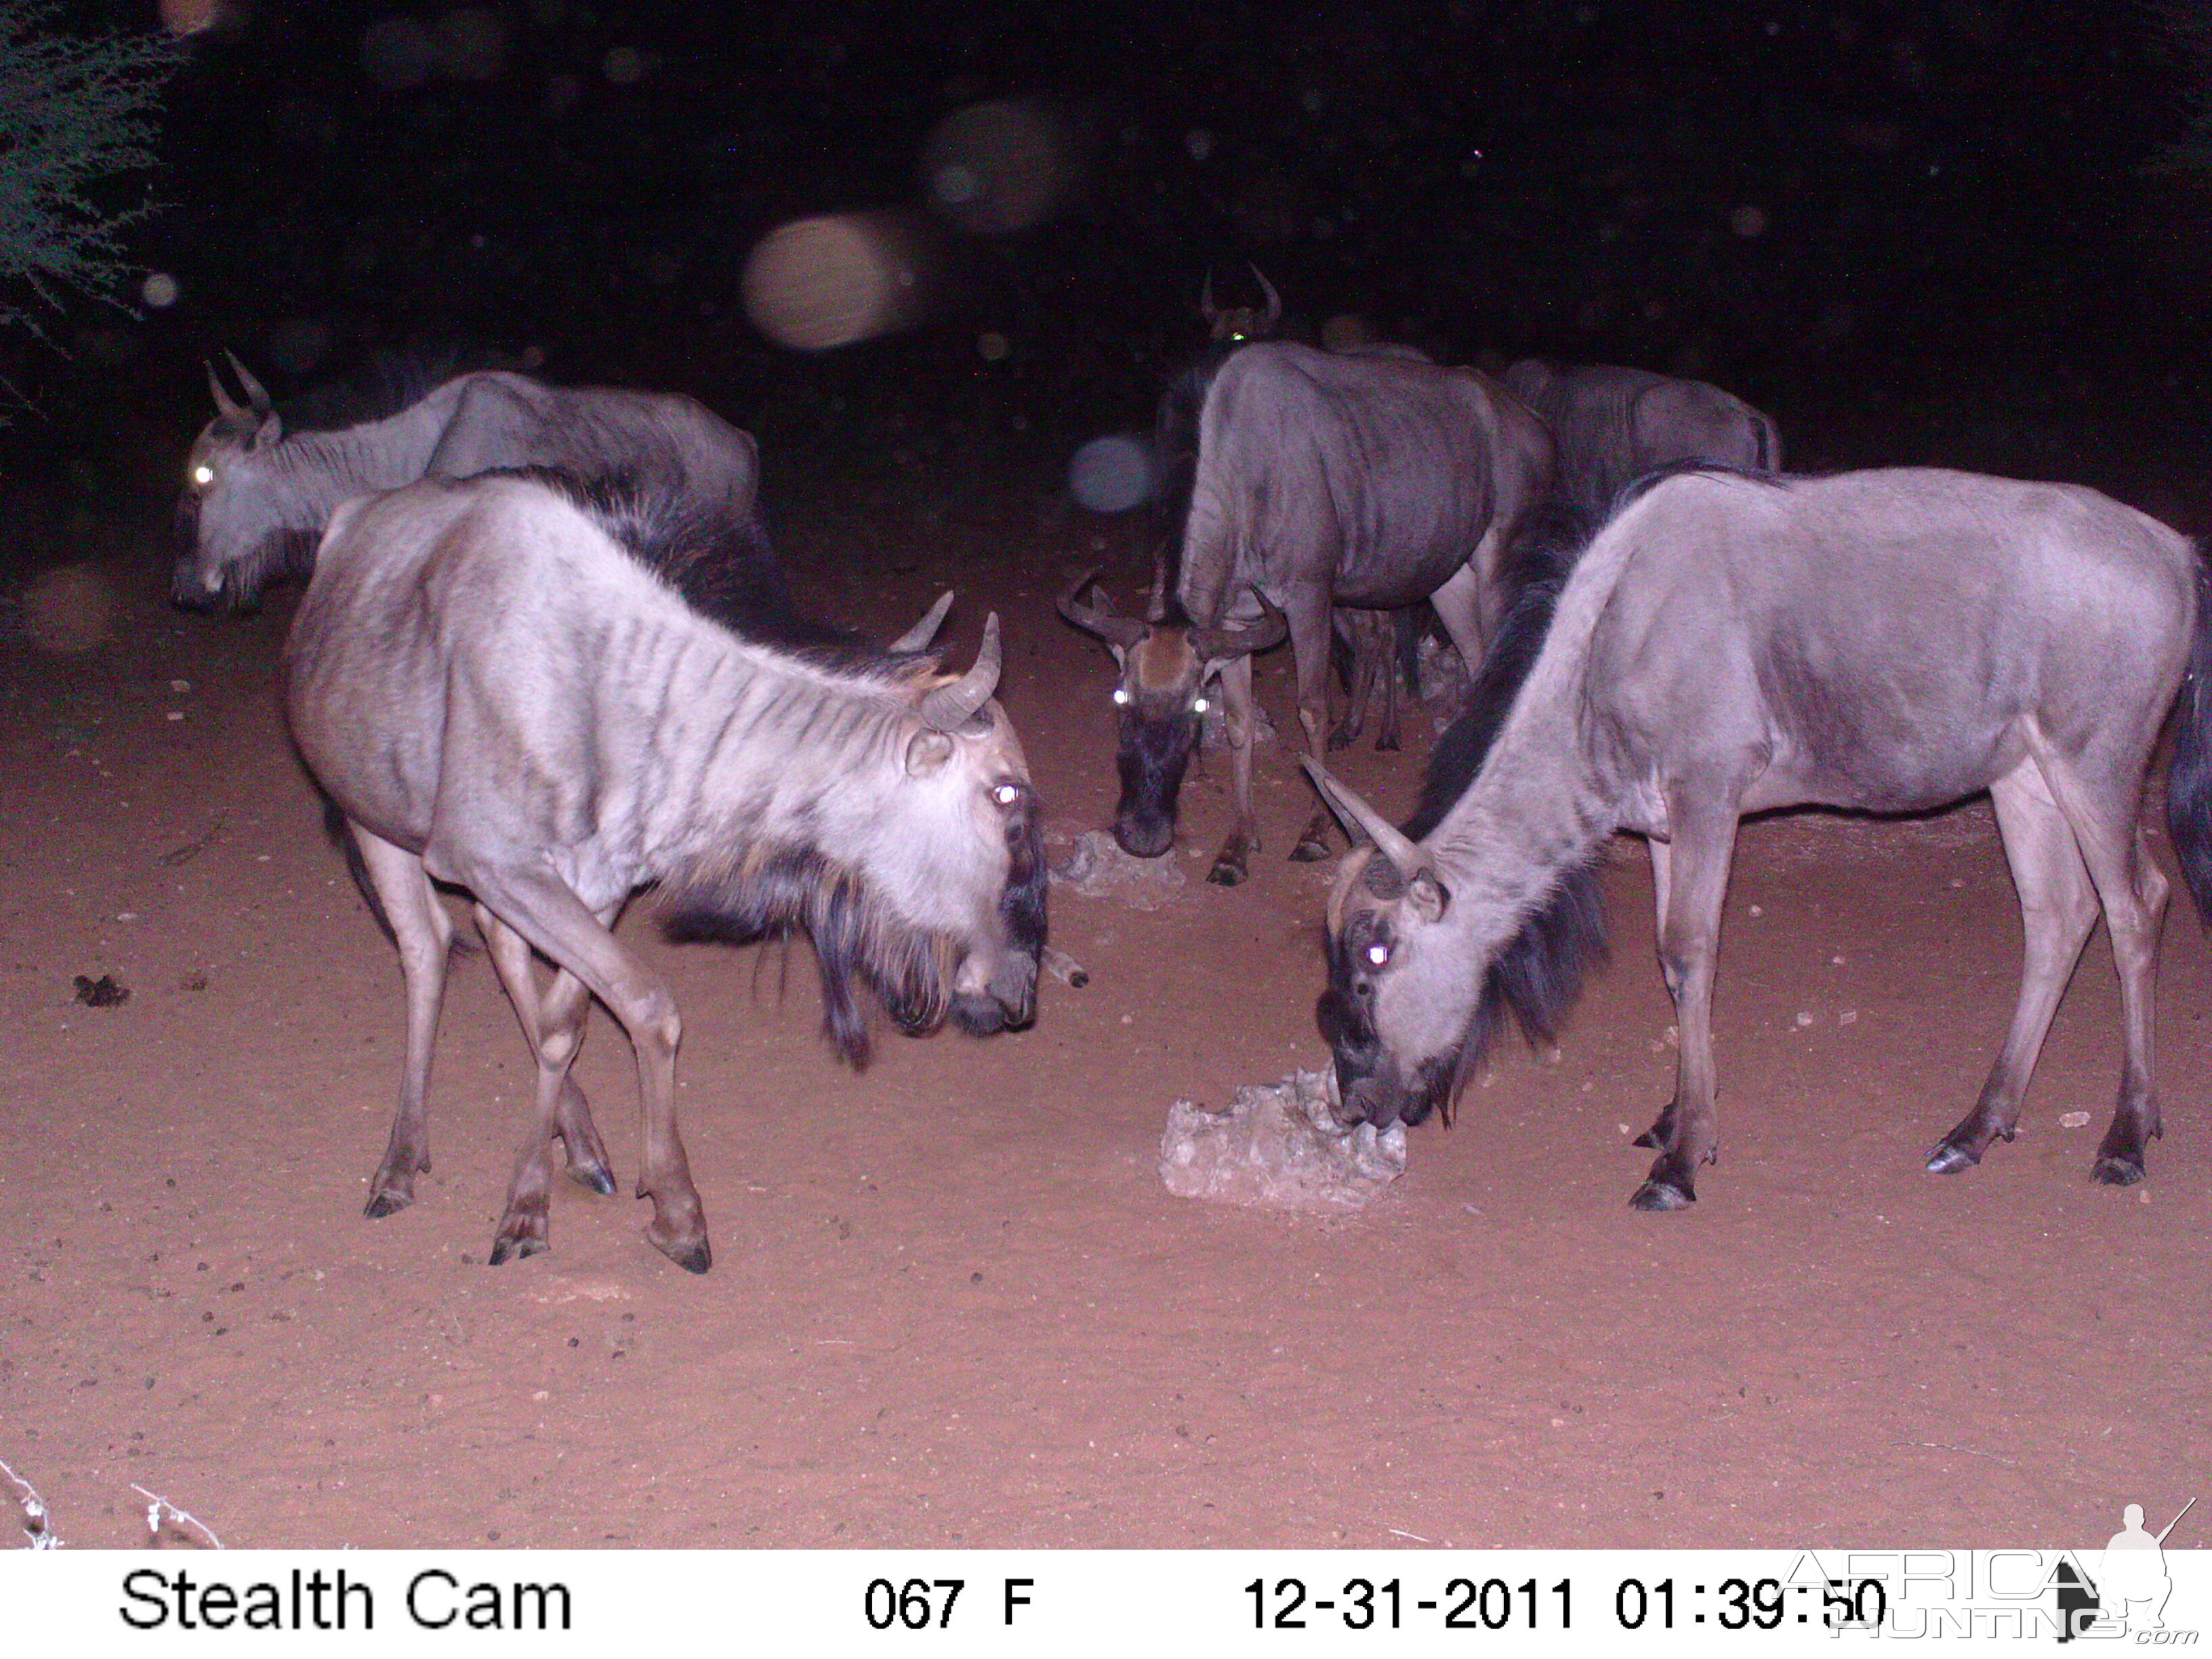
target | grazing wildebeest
x=1323, y=481
x=494, y=686
x=1884, y=641
x=1613, y=425
x=256, y=499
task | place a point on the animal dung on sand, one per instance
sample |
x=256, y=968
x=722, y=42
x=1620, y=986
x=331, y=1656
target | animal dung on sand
x=1279, y=1147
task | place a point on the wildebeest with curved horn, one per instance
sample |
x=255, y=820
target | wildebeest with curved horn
x=1885, y=641
x=256, y=498
x=1229, y=324
x=1323, y=481
x=1612, y=425
x=494, y=686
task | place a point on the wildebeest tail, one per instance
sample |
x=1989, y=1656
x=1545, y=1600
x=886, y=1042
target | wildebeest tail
x=1175, y=458
x=2189, y=783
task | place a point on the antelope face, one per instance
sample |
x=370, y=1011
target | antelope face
x=222, y=517
x=1161, y=698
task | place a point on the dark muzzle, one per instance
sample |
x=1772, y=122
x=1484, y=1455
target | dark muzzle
x=1153, y=754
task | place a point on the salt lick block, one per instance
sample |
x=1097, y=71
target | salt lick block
x=1279, y=1148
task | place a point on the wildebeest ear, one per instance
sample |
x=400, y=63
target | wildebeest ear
x=1430, y=898
x=926, y=752
x=270, y=430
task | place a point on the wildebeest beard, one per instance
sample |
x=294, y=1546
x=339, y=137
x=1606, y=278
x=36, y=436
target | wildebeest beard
x=856, y=938
x=277, y=554
x=1022, y=906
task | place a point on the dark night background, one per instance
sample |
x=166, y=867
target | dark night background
x=1939, y=232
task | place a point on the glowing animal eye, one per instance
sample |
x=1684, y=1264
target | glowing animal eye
x=1378, y=954
x=1199, y=706
x=1121, y=696
x=203, y=475
x=1005, y=795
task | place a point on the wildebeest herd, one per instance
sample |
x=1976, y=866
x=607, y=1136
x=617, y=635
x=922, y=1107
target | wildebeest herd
x=545, y=656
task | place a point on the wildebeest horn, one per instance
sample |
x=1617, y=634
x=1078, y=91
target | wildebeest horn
x=1242, y=638
x=1205, y=306
x=951, y=707
x=1121, y=632
x=224, y=404
x=1362, y=820
x=256, y=393
x=917, y=638
x=1267, y=324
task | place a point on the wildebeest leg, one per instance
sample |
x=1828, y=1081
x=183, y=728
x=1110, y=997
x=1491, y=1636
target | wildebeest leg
x=1389, y=660
x=1366, y=635
x=424, y=933
x=1229, y=865
x=526, y=1224
x=1351, y=628
x=1663, y=1129
x=2133, y=891
x=510, y=955
x=1704, y=834
x=2058, y=909
x=1309, y=656
x=552, y=918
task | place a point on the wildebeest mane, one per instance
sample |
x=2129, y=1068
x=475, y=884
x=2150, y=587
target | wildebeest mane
x=1642, y=485
x=1540, y=972
x=390, y=383
x=722, y=567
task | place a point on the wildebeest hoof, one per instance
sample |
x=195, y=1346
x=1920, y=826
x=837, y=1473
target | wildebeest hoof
x=505, y=1250
x=1660, y=1195
x=1950, y=1158
x=2117, y=1169
x=594, y=1177
x=1227, y=873
x=693, y=1255
x=385, y=1201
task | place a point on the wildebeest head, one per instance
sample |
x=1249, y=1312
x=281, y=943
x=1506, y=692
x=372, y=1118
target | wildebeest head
x=980, y=859
x=1166, y=667
x=1406, y=1014
x=230, y=539
x=1233, y=324
x=923, y=877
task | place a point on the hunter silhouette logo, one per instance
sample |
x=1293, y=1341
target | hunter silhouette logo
x=2128, y=1591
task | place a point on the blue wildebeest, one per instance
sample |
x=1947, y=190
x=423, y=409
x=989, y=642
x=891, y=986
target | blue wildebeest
x=1885, y=641
x=1367, y=639
x=256, y=498
x=1368, y=481
x=1612, y=425
x=497, y=689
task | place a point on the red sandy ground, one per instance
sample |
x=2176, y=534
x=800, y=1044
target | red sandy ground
x=951, y=1302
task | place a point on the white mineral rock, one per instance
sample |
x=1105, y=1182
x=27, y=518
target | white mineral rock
x=1279, y=1147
